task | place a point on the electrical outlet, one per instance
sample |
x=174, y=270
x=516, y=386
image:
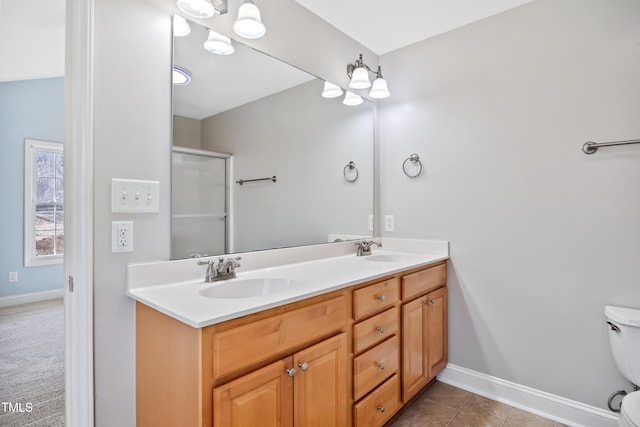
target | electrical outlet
x=122, y=236
x=389, y=223
x=370, y=227
x=13, y=277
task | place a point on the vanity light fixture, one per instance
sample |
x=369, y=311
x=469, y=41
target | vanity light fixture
x=181, y=27
x=181, y=76
x=248, y=24
x=218, y=44
x=331, y=91
x=358, y=72
x=351, y=98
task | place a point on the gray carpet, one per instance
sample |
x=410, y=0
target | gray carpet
x=32, y=364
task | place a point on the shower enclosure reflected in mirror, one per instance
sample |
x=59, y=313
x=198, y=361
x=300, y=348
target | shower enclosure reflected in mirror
x=263, y=118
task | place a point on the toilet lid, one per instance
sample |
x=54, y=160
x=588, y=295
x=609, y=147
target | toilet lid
x=631, y=407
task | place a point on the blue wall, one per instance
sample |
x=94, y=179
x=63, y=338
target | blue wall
x=31, y=109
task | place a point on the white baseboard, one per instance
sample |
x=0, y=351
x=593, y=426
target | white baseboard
x=33, y=297
x=550, y=406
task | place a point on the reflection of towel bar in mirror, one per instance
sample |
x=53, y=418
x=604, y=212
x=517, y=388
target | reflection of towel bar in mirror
x=271, y=178
x=591, y=147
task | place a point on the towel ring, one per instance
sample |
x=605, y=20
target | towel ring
x=350, y=172
x=412, y=162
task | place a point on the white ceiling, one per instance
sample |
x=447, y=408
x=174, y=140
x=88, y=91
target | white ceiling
x=385, y=25
x=31, y=39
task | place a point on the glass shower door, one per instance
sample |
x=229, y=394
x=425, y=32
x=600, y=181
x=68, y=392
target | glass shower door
x=199, y=204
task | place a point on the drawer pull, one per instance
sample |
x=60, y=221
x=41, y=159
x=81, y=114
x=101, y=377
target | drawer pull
x=380, y=408
x=380, y=297
x=291, y=372
x=303, y=366
x=380, y=329
x=380, y=365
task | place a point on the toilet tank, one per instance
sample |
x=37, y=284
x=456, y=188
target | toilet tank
x=624, y=337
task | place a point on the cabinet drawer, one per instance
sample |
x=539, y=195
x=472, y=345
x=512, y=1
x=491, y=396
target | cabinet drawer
x=424, y=281
x=379, y=406
x=375, y=298
x=374, y=330
x=374, y=366
x=247, y=345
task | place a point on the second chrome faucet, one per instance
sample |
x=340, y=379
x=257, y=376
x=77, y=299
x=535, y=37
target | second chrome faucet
x=224, y=269
x=364, y=247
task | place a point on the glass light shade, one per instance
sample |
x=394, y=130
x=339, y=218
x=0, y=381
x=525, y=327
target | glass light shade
x=331, y=91
x=379, y=89
x=360, y=79
x=249, y=24
x=181, y=76
x=352, y=99
x=196, y=8
x=219, y=44
x=180, y=26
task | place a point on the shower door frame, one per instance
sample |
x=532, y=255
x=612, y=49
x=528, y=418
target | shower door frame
x=228, y=175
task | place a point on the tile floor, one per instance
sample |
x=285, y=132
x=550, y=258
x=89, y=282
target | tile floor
x=445, y=405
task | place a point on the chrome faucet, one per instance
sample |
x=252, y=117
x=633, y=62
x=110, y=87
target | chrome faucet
x=223, y=270
x=364, y=247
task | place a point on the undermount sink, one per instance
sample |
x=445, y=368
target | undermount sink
x=386, y=257
x=247, y=288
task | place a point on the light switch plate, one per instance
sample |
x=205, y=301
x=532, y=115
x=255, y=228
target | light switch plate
x=135, y=196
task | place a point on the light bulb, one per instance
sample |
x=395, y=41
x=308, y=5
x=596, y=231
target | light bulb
x=360, y=79
x=180, y=26
x=379, y=89
x=249, y=24
x=331, y=91
x=196, y=8
x=219, y=44
x=352, y=99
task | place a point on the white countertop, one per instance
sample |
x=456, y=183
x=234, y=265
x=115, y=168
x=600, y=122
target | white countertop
x=182, y=300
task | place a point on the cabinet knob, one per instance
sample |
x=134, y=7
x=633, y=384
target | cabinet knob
x=380, y=297
x=303, y=366
x=380, y=329
x=430, y=302
x=380, y=408
x=380, y=365
x=291, y=372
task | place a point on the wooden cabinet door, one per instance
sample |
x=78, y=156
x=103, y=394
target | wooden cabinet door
x=261, y=398
x=320, y=384
x=436, y=331
x=414, y=367
x=424, y=341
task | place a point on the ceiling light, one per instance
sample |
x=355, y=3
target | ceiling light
x=331, y=91
x=352, y=99
x=249, y=24
x=181, y=76
x=358, y=72
x=180, y=26
x=219, y=44
x=197, y=8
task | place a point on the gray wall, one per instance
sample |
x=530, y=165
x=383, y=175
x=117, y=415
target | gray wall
x=542, y=236
x=31, y=109
x=132, y=139
x=306, y=141
x=187, y=132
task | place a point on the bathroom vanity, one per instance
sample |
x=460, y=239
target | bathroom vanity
x=351, y=353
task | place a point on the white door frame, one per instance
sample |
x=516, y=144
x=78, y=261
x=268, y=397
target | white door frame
x=78, y=194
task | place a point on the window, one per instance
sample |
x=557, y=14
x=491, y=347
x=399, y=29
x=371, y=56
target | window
x=43, y=203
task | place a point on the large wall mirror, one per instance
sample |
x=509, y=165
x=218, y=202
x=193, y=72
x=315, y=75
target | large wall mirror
x=247, y=116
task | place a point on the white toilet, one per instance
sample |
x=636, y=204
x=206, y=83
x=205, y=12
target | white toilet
x=624, y=336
